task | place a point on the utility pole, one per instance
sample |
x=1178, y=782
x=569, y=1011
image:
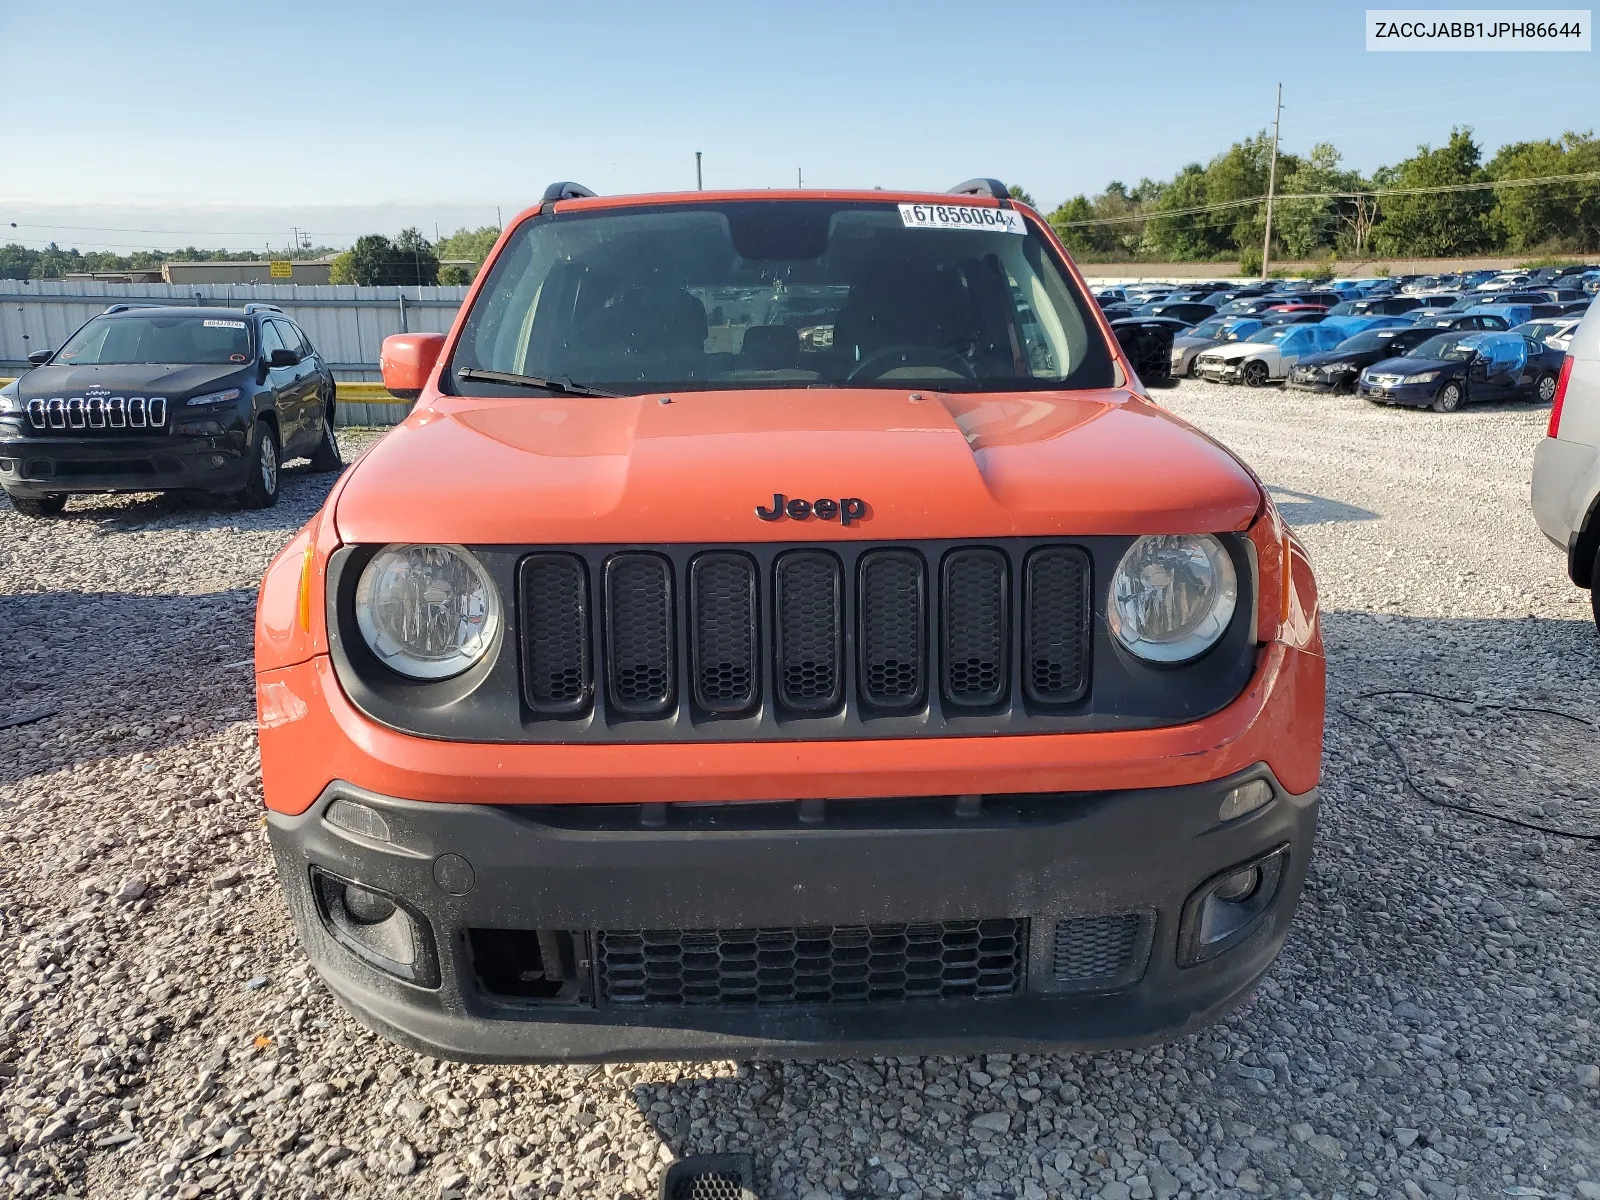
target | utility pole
x=799, y=177
x=296, y=230
x=698, y=184
x=1272, y=186
x=498, y=223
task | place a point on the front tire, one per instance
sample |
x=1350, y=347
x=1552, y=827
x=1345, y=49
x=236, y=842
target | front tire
x=264, y=456
x=1254, y=373
x=48, y=505
x=1545, y=389
x=1448, y=399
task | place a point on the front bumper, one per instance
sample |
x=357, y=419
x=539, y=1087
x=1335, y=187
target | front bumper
x=38, y=466
x=1324, y=385
x=1137, y=856
x=1226, y=372
x=1408, y=395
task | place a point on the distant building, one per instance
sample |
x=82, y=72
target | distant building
x=303, y=270
x=145, y=275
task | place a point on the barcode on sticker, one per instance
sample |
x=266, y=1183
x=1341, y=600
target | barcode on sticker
x=223, y=324
x=962, y=216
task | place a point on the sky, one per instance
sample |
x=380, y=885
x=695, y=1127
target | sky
x=160, y=124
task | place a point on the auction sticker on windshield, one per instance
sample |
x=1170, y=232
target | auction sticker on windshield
x=961, y=216
x=223, y=324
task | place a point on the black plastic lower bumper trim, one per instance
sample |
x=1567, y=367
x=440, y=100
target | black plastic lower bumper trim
x=1044, y=859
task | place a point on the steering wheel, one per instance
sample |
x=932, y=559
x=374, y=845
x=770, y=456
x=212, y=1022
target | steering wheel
x=877, y=365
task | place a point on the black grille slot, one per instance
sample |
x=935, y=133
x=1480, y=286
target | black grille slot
x=893, y=615
x=839, y=964
x=555, y=639
x=976, y=628
x=1056, y=658
x=1100, y=953
x=723, y=595
x=639, y=653
x=810, y=625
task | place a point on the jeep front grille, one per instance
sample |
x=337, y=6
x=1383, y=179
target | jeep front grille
x=839, y=964
x=787, y=633
x=70, y=413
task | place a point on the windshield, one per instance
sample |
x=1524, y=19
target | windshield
x=1210, y=328
x=783, y=293
x=1362, y=342
x=1447, y=347
x=157, y=339
x=1272, y=333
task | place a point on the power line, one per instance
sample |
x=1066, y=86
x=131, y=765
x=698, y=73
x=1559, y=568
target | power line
x=1438, y=189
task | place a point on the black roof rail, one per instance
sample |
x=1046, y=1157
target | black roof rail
x=565, y=190
x=116, y=308
x=257, y=306
x=992, y=188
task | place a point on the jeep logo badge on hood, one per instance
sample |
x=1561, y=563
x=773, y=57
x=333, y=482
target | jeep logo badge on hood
x=846, y=510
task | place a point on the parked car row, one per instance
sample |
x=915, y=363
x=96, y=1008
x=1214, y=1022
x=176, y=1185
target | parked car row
x=1472, y=336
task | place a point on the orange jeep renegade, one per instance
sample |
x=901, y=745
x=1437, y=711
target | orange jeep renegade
x=786, y=627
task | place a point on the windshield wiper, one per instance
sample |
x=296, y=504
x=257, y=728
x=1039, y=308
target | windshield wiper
x=562, y=387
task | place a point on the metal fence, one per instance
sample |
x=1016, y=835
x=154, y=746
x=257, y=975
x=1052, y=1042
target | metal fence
x=347, y=324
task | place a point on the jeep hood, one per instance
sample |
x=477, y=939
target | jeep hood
x=160, y=379
x=928, y=465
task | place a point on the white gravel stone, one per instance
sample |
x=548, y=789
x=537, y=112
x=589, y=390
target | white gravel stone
x=1429, y=1002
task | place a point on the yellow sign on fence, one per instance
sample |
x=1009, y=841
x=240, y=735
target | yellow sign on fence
x=282, y=269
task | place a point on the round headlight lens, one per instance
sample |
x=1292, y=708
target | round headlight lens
x=428, y=612
x=1173, y=596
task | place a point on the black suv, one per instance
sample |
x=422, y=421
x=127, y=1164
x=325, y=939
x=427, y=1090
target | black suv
x=209, y=401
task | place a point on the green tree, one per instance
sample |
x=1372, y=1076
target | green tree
x=1305, y=228
x=415, y=261
x=1182, y=235
x=473, y=244
x=1438, y=224
x=16, y=261
x=407, y=261
x=1076, y=238
x=1555, y=215
x=371, y=260
x=342, y=268
x=1017, y=192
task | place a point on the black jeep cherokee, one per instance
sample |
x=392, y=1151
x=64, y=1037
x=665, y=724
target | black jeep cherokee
x=209, y=401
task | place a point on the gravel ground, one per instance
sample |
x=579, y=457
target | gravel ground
x=1429, y=1032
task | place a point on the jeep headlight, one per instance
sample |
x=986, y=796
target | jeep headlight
x=1172, y=597
x=10, y=404
x=427, y=612
x=210, y=398
x=1423, y=377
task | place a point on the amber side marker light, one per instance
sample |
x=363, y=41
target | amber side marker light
x=306, y=561
x=1560, y=397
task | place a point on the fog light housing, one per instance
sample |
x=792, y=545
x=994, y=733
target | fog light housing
x=378, y=928
x=1230, y=907
x=1245, y=799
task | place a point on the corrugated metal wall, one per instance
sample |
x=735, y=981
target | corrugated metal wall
x=347, y=324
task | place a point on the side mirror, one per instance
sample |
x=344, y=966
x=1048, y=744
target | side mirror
x=283, y=358
x=39, y=357
x=407, y=360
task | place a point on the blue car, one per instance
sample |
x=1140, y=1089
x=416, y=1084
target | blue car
x=1462, y=322
x=1452, y=369
x=1354, y=324
x=1511, y=314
